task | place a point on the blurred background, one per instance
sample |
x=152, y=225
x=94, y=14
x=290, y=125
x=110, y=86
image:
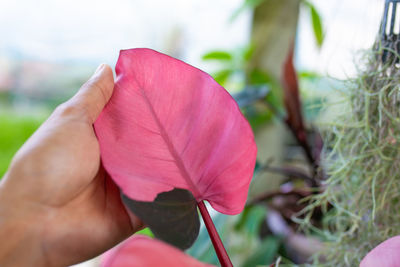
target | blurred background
x=48, y=49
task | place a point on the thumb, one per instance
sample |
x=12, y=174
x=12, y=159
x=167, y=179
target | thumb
x=95, y=93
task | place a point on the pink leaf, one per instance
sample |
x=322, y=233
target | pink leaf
x=170, y=125
x=142, y=251
x=386, y=254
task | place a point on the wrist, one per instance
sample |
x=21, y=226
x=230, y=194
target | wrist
x=20, y=234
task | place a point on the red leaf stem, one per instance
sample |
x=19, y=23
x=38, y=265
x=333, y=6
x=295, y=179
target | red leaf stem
x=215, y=239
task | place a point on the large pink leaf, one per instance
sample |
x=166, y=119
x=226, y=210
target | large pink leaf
x=170, y=125
x=385, y=254
x=140, y=251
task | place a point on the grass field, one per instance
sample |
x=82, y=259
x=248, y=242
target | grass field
x=14, y=131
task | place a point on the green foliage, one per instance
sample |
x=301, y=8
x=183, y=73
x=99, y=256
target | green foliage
x=235, y=73
x=231, y=64
x=241, y=237
x=248, y=52
x=316, y=22
x=202, y=248
x=316, y=89
x=223, y=75
x=257, y=118
x=274, y=98
x=15, y=130
x=362, y=152
x=308, y=75
x=218, y=55
x=234, y=64
x=250, y=219
x=265, y=253
x=146, y=231
x=247, y=4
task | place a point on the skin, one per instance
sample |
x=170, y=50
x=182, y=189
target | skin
x=57, y=204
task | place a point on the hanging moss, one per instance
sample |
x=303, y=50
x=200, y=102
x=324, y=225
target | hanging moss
x=361, y=196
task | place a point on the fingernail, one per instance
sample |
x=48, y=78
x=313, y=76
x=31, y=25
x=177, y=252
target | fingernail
x=99, y=68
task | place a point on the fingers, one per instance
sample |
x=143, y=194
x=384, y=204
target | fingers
x=95, y=93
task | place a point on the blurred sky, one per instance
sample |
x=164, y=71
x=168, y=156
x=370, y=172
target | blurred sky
x=94, y=31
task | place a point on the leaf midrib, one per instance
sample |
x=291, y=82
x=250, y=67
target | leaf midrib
x=181, y=166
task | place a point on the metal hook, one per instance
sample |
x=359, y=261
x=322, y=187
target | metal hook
x=390, y=32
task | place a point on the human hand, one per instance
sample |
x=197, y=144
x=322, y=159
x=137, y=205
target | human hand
x=57, y=204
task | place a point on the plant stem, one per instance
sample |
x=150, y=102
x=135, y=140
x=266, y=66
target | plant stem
x=287, y=171
x=214, y=236
x=294, y=192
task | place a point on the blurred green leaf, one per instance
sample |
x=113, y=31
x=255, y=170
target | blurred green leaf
x=275, y=95
x=218, y=55
x=251, y=219
x=258, y=76
x=247, y=4
x=203, y=249
x=309, y=75
x=243, y=217
x=317, y=26
x=255, y=218
x=265, y=253
x=316, y=23
x=257, y=119
x=258, y=166
x=248, y=52
x=146, y=231
x=222, y=76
